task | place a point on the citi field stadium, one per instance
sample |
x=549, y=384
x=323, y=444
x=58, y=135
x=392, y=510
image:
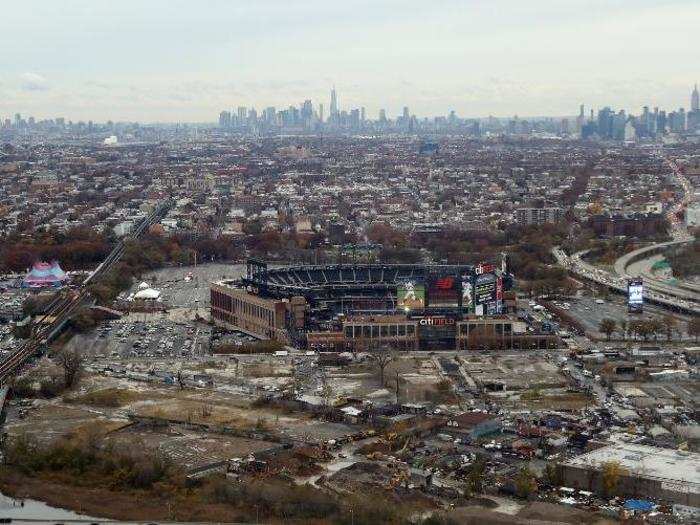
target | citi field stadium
x=363, y=306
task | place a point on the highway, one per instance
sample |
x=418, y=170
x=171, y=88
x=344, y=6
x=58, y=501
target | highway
x=679, y=234
x=645, y=267
x=68, y=302
x=624, y=265
x=634, y=264
x=681, y=298
x=576, y=265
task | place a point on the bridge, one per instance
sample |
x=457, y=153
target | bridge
x=636, y=264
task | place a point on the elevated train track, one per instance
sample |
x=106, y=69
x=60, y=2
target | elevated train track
x=67, y=303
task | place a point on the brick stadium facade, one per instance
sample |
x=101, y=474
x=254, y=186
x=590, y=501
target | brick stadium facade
x=360, y=308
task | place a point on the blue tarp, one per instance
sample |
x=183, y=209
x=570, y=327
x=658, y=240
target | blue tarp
x=639, y=505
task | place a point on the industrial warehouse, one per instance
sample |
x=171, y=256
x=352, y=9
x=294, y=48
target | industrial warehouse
x=671, y=475
x=364, y=306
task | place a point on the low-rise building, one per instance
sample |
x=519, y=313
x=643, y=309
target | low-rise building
x=639, y=470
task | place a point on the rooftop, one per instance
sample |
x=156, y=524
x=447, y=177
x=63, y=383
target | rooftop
x=647, y=462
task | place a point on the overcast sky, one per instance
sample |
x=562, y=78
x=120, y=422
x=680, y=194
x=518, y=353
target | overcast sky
x=185, y=60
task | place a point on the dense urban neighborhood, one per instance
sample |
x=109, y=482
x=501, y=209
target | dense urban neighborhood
x=291, y=318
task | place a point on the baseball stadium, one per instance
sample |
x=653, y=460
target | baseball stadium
x=364, y=306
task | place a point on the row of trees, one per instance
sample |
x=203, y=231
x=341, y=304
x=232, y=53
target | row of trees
x=77, y=249
x=646, y=328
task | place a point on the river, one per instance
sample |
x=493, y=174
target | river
x=37, y=512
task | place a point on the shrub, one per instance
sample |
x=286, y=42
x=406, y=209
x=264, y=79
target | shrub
x=276, y=498
x=118, y=468
x=22, y=387
x=50, y=387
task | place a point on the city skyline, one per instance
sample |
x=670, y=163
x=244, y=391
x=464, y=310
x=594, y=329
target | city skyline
x=335, y=108
x=181, y=63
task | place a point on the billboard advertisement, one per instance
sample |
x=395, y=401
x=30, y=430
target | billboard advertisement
x=444, y=290
x=635, y=294
x=410, y=295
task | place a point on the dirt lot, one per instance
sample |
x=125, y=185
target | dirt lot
x=531, y=514
x=190, y=450
x=517, y=372
x=49, y=421
x=418, y=377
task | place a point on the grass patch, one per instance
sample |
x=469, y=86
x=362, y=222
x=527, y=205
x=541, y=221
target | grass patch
x=106, y=398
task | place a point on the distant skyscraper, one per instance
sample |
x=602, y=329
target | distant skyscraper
x=694, y=113
x=605, y=123
x=580, y=119
x=225, y=119
x=355, y=119
x=307, y=111
x=320, y=113
x=334, y=103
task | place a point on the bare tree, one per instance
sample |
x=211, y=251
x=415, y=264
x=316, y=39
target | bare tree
x=382, y=356
x=607, y=326
x=298, y=383
x=398, y=386
x=669, y=323
x=622, y=328
x=326, y=390
x=693, y=328
x=71, y=361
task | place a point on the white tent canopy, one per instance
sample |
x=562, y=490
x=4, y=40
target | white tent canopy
x=147, y=294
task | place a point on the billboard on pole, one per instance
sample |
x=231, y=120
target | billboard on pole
x=635, y=294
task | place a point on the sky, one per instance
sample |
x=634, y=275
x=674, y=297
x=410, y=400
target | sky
x=186, y=60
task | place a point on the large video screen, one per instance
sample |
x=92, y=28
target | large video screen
x=410, y=295
x=443, y=290
x=635, y=293
x=485, y=288
x=467, y=292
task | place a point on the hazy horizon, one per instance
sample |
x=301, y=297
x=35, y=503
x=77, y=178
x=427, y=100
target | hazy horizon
x=176, y=61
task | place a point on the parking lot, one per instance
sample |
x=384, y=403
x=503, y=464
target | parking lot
x=173, y=333
x=590, y=313
x=156, y=337
x=188, y=286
